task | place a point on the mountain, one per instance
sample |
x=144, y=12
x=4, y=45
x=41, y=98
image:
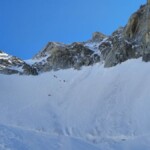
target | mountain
x=13, y=65
x=57, y=56
x=91, y=95
x=131, y=41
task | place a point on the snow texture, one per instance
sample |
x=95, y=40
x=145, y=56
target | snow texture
x=95, y=108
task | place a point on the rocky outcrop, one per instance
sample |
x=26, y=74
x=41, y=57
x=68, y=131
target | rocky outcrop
x=117, y=49
x=13, y=65
x=97, y=37
x=59, y=56
x=132, y=41
x=55, y=56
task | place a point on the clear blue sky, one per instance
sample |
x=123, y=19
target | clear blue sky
x=27, y=25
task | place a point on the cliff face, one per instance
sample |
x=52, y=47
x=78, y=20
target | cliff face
x=131, y=41
x=57, y=56
x=134, y=39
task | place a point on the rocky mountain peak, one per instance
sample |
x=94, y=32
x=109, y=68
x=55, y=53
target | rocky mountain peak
x=98, y=36
x=47, y=50
x=131, y=41
x=61, y=56
x=134, y=41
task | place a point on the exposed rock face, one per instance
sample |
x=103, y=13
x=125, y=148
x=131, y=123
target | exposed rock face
x=13, y=65
x=117, y=49
x=98, y=37
x=131, y=41
x=59, y=56
x=137, y=24
x=55, y=56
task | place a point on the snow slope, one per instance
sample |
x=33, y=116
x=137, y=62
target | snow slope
x=15, y=138
x=93, y=108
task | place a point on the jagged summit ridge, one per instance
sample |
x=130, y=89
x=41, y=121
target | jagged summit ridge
x=131, y=41
x=55, y=56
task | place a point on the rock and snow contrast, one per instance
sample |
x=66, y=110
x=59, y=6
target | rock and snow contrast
x=13, y=65
x=91, y=95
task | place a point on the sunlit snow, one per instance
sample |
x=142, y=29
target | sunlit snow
x=94, y=108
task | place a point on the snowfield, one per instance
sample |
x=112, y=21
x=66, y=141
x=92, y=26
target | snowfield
x=95, y=108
